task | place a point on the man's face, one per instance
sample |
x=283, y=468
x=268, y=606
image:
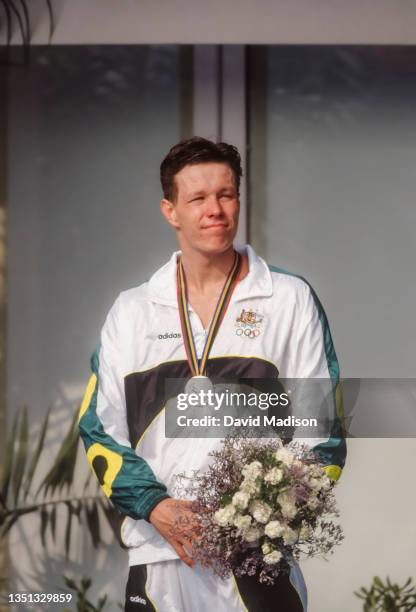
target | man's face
x=205, y=212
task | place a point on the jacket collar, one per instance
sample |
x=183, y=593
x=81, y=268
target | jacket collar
x=258, y=282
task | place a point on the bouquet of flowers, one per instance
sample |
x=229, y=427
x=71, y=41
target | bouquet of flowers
x=259, y=506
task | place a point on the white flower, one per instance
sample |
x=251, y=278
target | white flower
x=273, y=476
x=266, y=548
x=242, y=522
x=252, y=487
x=326, y=483
x=315, y=471
x=224, y=516
x=260, y=511
x=252, y=534
x=314, y=484
x=274, y=529
x=313, y=502
x=287, y=504
x=240, y=500
x=305, y=531
x=290, y=536
x=252, y=470
x=272, y=557
x=285, y=456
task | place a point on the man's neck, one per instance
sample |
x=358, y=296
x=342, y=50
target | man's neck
x=204, y=271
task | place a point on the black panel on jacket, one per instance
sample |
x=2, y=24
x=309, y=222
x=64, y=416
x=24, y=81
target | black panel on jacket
x=146, y=393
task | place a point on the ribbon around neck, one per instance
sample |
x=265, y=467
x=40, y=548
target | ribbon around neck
x=196, y=366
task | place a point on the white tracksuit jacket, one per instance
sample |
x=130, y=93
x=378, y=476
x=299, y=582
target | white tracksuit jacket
x=122, y=414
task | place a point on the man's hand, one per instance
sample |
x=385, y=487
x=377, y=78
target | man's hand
x=176, y=522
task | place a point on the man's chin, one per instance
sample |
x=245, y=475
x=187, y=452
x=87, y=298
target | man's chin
x=216, y=247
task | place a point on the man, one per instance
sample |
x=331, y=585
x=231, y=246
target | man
x=161, y=330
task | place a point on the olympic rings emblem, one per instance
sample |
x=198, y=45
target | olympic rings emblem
x=250, y=333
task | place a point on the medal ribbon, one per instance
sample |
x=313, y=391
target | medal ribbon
x=198, y=367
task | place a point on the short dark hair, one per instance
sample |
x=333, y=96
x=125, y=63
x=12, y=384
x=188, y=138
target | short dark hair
x=197, y=150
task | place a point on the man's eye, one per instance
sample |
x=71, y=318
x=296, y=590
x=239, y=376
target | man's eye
x=196, y=199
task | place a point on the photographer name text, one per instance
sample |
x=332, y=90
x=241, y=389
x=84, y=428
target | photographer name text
x=251, y=421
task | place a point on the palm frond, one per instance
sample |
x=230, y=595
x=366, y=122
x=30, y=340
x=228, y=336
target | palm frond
x=62, y=471
x=93, y=522
x=19, y=19
x=36, y=454
x=20, y=467
x=21, y=456
x=51, y=19
x=44, y=517
x=9, y=459
x=52, y=521
x=8, y=14
x=17, y=12
x=26, y=20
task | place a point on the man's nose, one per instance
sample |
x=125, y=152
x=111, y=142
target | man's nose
x=214, y=206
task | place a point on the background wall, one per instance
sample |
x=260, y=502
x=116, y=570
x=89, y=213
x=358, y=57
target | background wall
x=332, y=183
x=87, y=132
x=235, y=21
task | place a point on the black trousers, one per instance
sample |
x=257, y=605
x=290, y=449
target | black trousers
x=257, y=597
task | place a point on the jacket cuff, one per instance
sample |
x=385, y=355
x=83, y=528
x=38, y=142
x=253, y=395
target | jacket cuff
x=151, y=503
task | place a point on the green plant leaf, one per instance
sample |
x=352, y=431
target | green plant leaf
x=9, y=458
x=37, y=453
x=86, y=583
x=21, y=456
x=44, y=516
x=68, y=528
x=70, y=583
x=87, y=480
x=53, y=521
x=9, y=524
x=112, y=516
x=378, y=582
x=62, y=470
x=93, y=522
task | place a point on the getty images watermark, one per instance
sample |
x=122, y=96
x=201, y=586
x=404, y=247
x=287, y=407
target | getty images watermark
x=219, y=400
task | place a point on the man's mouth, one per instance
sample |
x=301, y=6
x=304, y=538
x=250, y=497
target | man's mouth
x=215, y=225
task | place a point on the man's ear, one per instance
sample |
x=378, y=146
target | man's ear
x=168, y=210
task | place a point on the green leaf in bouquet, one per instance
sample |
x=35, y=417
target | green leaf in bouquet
x=226, y=499
x=36, y=454
x=21, y=456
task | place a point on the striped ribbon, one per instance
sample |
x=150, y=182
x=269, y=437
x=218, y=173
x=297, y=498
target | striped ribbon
x=196, y=366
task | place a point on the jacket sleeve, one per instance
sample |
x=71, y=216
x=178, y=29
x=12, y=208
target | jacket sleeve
x=126, y=479
x=316, y=358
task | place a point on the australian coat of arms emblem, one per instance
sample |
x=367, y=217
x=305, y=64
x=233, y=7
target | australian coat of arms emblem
x=249, y=323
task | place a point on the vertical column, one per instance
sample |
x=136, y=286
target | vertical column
x=4, y=569
x=234, y=118
x=206, y=115
x=220, y=105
